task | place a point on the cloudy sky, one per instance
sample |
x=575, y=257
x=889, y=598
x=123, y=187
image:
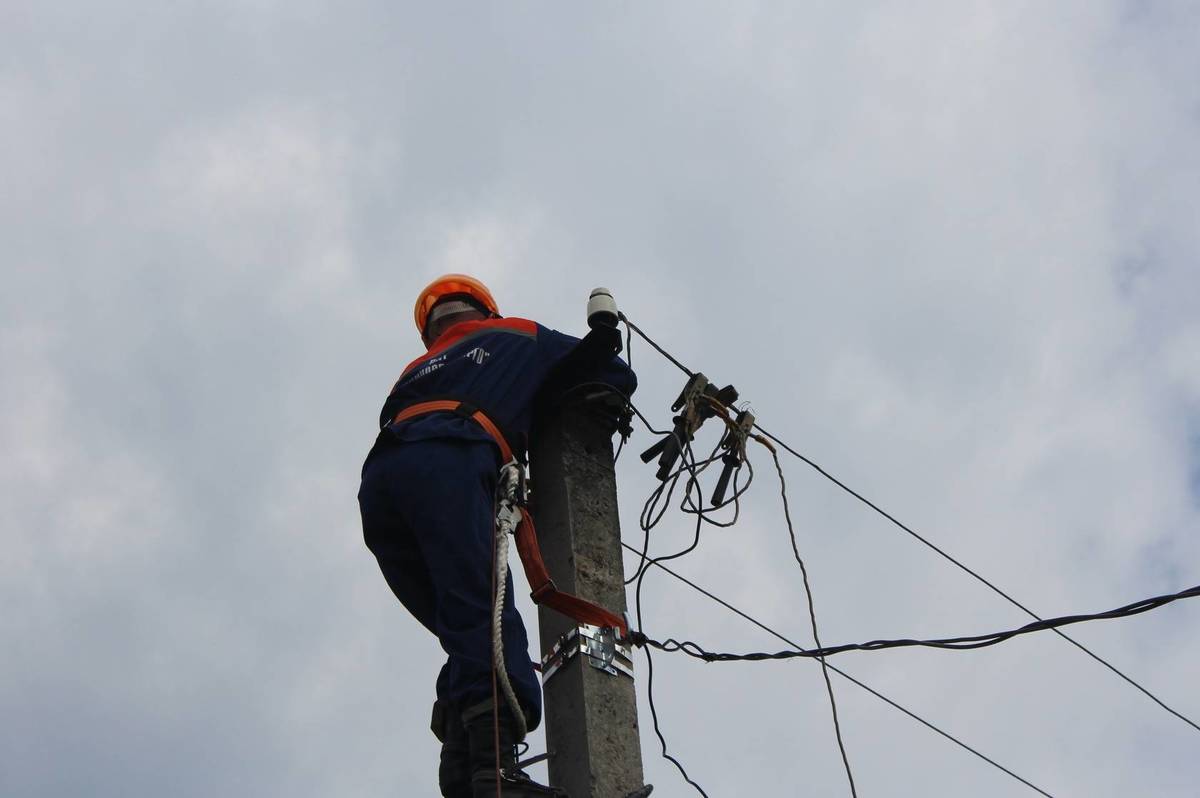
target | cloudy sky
x=947, y=249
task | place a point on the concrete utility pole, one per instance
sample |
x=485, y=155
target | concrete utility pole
x=591, y=709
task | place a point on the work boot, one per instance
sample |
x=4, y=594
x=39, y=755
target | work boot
x=454, y=771
x=514, y=783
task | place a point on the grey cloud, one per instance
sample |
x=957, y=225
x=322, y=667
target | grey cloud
x=904, y=233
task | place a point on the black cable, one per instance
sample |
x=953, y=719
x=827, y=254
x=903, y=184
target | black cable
x=658, y=560
x=658, y=731
x=629, y=347
x=934, y=547
x=656, y=506
x=980, y=578
x=812, y=615
x=640, y=578
x=653, y=512
x=690, y=507
x=648, y=520
x=658, y=348
x=693, y=502
x=692, y=468
x=964, y=643
x=696, y=506
x=929, y=725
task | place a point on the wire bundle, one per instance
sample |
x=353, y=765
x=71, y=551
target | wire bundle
x=692, y=502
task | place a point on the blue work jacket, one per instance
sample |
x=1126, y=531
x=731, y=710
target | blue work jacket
x=497, y=365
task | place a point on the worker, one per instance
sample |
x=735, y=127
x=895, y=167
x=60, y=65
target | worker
x=427, y=502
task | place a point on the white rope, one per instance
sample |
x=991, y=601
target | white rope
x=507, y=518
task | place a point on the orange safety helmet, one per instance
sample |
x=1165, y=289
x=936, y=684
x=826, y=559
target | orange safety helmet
x=448, y=285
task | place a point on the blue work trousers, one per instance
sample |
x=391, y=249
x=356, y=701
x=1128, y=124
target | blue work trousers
x=428, y=517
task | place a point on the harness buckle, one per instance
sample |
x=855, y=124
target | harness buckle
x=513, y=484
x=521, y=494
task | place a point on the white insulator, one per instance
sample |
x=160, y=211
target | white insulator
x=601, y=309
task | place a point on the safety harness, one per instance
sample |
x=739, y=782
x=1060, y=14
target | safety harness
x=544, y=591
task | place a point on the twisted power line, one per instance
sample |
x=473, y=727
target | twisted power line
x=963, y=643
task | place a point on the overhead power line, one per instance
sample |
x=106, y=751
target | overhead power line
x=1126, y=677
x=657, y=348
x=650, y=517
x=941, y=552
x=796, y=646
x=956, y=643
x=812, y=615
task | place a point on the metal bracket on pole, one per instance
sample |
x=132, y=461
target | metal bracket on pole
x=600, y=646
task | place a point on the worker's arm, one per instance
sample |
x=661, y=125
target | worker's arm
x=591, y=359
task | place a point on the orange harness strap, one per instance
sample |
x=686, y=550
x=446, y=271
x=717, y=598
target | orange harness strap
x=439, y=405
x=544, y=590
